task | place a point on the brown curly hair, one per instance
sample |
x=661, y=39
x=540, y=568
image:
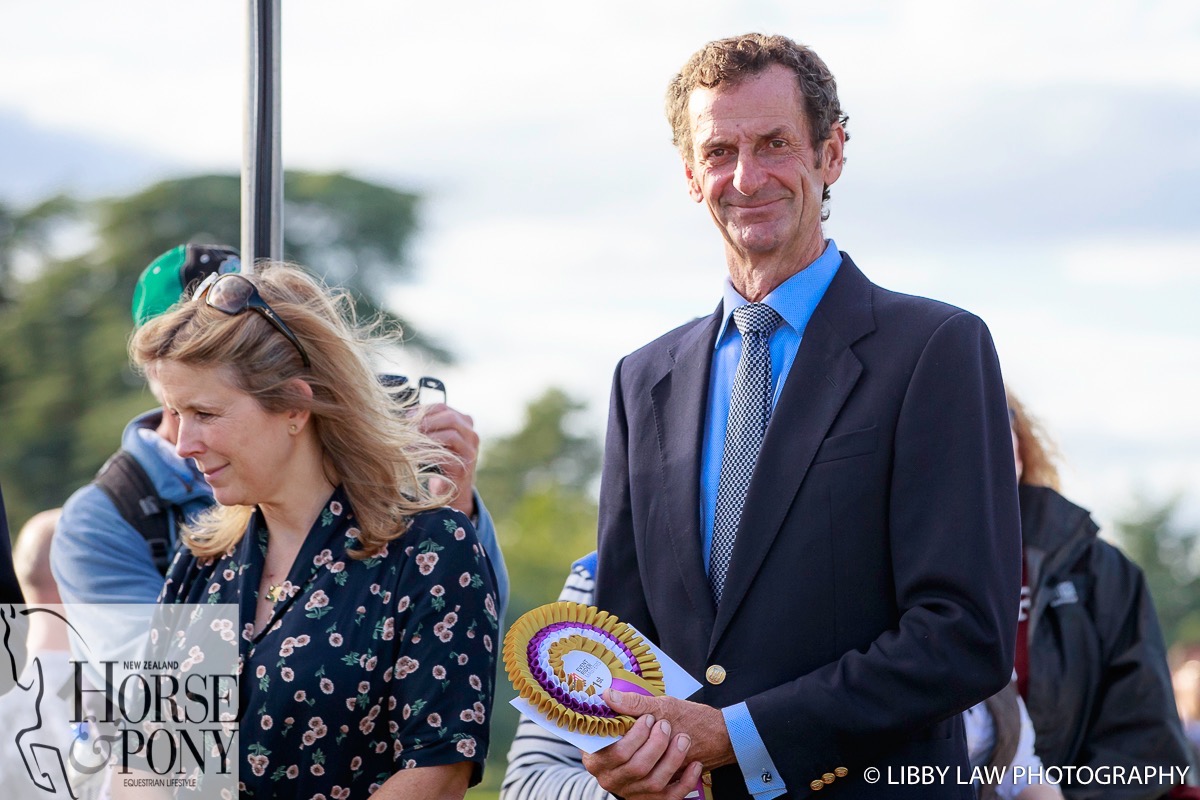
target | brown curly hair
x=1038, y=452
x=738, y=57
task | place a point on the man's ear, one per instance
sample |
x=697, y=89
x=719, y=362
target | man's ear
x=833, y=151
x=693, y=182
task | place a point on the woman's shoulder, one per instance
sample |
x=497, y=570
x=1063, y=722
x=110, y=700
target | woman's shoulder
x=442, y=525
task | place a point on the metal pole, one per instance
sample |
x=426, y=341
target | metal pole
x=262, y=175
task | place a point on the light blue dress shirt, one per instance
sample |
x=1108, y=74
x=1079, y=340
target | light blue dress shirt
x=795, y=300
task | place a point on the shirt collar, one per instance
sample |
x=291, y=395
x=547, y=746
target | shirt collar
x=796, y=298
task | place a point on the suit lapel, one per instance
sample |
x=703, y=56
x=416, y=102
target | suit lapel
x=821, y=378
x=680, y=400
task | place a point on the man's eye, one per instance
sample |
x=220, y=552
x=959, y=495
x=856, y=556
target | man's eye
x=777, y=144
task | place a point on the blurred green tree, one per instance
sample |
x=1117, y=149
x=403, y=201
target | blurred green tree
x=66, y=390
x=539, y=483
x=1168, y=551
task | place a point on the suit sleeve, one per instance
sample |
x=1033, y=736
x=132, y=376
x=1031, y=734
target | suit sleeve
x=618, y=559
x=10, y=590
x=953, y=535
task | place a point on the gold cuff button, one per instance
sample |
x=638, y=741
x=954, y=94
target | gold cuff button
x=707, y=778
x=827, y=777
x=841, y=772
x=715, y=674
x=816, y=786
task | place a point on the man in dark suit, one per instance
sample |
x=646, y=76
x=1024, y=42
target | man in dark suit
x=808, y=497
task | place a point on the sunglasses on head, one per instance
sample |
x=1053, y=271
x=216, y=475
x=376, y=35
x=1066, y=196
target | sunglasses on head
x=234, y=294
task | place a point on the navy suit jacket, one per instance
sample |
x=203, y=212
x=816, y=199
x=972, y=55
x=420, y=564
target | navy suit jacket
x=873, y=589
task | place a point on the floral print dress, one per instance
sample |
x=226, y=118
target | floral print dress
x=367, y=666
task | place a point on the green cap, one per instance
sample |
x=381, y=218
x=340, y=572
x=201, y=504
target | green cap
x=172, y=276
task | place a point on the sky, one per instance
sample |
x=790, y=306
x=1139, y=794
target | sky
x=1036, y=163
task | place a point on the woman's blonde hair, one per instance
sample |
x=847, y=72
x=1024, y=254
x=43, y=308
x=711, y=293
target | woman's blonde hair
x=1038, y=452
x=372, y=446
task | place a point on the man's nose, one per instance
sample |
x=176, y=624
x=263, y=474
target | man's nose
x=749, y=176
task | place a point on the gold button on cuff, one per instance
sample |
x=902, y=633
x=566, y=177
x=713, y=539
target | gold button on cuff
x=841, y=772
x=827, y=777
x=707, y=778
x=817, y=785
x=715, y=674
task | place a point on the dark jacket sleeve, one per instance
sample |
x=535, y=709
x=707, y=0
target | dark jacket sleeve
x=1134, y=722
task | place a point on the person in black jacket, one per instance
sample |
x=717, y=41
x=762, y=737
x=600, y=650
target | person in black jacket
x=1091, y=662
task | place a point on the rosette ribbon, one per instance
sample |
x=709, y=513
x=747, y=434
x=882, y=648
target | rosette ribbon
x=561, y=657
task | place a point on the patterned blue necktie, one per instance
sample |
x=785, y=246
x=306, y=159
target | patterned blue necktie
x=749, y=412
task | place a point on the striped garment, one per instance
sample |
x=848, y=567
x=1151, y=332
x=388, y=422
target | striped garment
x=540, y=765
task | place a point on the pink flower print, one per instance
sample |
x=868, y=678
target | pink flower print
x=228, y=574
x=335, y=639
x=356, y=762
x=289, y=720
x=258, y=764
x=227, y=635
x=262, y=670
x=352, y=533
x=439, y=673
x=374, y=712
x=487, y=643
x=406, y=666
x=389, y=629
x=363, y=687
x=309, y=738
x=445, y=636
x=266, y=722
x=476, y=684
x=466, y=746
x=466, y=715
x=438, y=590
x=409, y=764
x=462, y=659
x=303, y=639
x=450, y=619
x=426, y=562
x=386, y=597
x=248, y=631
x=479, y=713
x=339, y=793
x=293, y=772
x=337, y=567
x=351, y=702
x=402, y=605
x=317, y=769
x=366, y=725
x=489, y=604
x=326, y=686
x=393, y=726
x=464, y=580
x=380, y=747
x=371, y=662
x=408, y=551
x=216, y=587
x=186, y=665
x=360, y=610
x=300, y=696
x=387, y=675
x=434, y=720
x=392, y=703
x=459, y=534
x=195, y=654
x=336, y=508
x=287, y=674
x=322, y=558
x=374, y=588
x=317, y=599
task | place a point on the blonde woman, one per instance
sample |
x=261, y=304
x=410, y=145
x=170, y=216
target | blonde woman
x=368, y=609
